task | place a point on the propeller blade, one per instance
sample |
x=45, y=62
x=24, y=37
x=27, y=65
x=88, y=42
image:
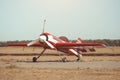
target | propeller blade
x=40, y=39
x=44, y=26
x=33, y=42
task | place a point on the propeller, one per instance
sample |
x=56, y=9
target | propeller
x=42, y=38
x=39, y=39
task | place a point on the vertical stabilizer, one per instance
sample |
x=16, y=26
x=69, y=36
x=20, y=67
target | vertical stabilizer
x=79, y=40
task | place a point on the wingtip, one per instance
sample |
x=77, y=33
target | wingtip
x=104, y=45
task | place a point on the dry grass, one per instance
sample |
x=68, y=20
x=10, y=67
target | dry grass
x=22, y=50
x=31, y=50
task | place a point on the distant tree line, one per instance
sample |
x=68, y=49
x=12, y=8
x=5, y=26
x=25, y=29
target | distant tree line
x=5, y=43
x=107, y=42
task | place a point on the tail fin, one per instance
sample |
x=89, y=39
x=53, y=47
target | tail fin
x=79, y=40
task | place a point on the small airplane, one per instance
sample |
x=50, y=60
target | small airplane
x=49, y=41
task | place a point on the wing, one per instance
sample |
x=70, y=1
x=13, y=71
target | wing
x=24, y=44
x=77, y=45
x=44, y=44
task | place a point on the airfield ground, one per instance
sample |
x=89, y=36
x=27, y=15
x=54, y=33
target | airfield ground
x=50, y=67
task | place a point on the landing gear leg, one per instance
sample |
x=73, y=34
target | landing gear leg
x=64, y=59
x=35, y=58
x=79, y=57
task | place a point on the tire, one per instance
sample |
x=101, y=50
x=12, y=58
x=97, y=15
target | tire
x=34, y=59
x=64, y=59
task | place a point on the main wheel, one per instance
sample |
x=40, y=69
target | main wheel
x=78, y=60
x=78, y=57
x=34, y=59
x=64, y=59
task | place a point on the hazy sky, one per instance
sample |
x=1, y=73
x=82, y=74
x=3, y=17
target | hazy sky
x=88, y=19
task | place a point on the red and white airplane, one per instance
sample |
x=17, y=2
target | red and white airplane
x=49, y=41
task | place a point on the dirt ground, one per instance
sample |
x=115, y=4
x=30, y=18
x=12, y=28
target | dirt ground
x=58, y=74
x=51, y=67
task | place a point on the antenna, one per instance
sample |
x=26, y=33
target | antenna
x=44, y=25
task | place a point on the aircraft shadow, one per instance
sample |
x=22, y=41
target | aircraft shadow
x=48, y=61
